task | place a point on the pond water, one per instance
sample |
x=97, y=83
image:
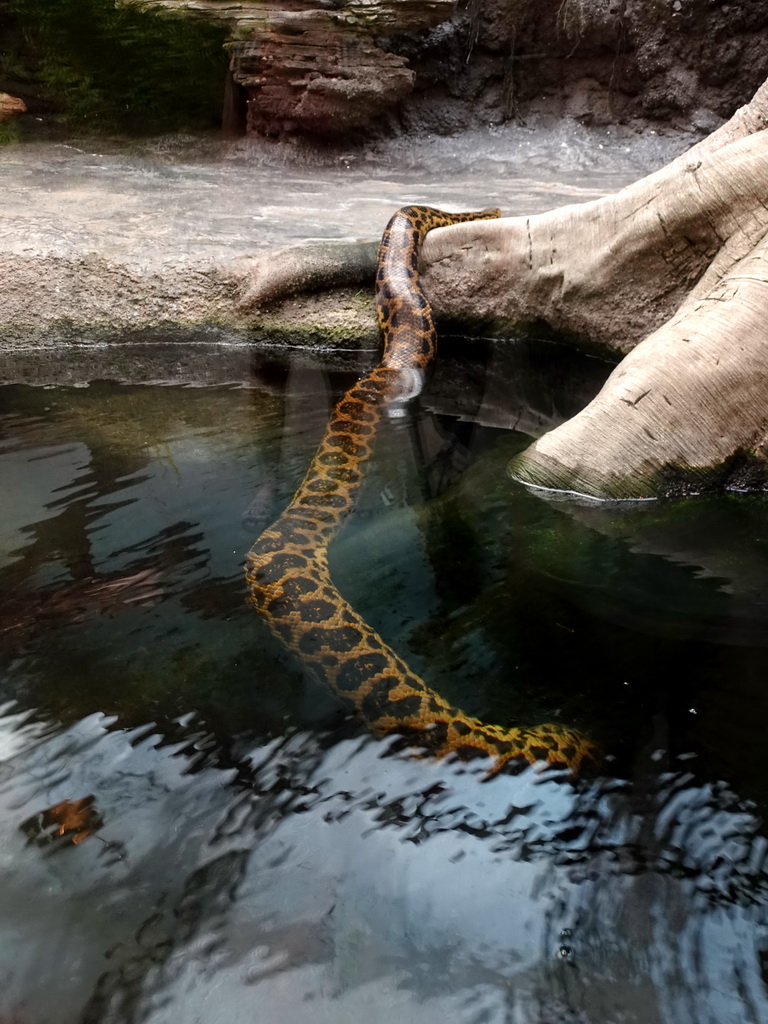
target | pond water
x=255, y=855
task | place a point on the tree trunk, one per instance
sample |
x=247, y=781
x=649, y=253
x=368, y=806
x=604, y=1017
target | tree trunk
x=671, y=273
x=682, y=254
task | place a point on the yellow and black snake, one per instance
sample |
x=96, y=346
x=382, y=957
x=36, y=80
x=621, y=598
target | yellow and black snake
x=287, y=569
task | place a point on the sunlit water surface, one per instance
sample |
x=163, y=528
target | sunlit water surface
x=255, y=855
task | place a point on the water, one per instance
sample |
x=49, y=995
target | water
x=256, y=855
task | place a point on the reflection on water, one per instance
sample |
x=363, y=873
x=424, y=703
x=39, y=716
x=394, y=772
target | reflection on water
x=191, y=831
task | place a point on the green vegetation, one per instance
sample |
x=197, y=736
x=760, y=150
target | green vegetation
x=9, y=132
x=102, y=66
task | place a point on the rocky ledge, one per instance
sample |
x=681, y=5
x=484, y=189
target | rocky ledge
x=312, y=66
x=309, y=77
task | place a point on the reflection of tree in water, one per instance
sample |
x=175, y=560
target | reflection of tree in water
x=668, y=917
x=195, y=918
x=115, y=438
x=64, y=536
x=30, y=612
x=125, y=987
x=542, y=614
x=26, y=612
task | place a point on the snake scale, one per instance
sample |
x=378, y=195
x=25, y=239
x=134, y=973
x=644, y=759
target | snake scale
x=287, y=569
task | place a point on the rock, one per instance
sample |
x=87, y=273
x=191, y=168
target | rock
x=319, y=83
x=318, y=72
x=311, y=66
x=586, y=100
x=250, y=17
x=10, y=107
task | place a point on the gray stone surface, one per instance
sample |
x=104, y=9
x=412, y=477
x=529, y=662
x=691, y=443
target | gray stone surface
x=110, y=244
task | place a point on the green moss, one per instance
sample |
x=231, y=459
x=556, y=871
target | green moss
x=9, y=133
x=337, y=319
x=291, y=333
x=95, y=65
x=743, y=471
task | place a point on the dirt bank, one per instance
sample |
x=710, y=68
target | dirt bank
x=688, y=63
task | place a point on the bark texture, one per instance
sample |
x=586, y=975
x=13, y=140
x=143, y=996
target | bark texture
x=685, y=251
x=613, y=269
x=686, y=410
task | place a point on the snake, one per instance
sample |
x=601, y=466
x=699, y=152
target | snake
x=287, y=569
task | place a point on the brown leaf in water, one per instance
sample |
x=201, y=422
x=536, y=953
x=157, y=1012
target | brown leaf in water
x=70, y=820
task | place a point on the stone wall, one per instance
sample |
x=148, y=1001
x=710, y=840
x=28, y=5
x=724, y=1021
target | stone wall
x=318, y=67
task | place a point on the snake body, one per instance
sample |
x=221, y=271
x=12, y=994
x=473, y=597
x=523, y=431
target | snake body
x=287, y=569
